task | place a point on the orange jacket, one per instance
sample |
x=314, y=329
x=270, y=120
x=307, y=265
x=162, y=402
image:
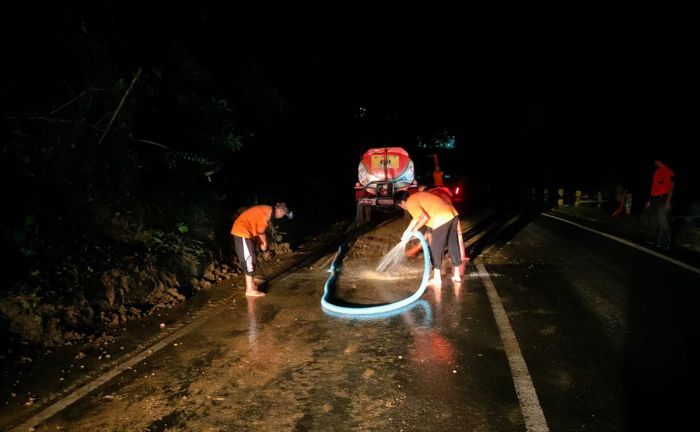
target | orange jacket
x=432, y=206
x=252, y=222
x=437, y=178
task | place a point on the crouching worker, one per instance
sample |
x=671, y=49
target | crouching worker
x=432, y=211
x=250, y=224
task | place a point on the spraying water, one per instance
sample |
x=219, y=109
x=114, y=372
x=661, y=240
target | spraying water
x=394, y=257
x=377, y=310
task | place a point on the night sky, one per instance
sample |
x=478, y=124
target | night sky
x=579, y=95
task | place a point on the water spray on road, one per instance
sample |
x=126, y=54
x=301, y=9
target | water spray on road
x=336, y=267
x=394, y=257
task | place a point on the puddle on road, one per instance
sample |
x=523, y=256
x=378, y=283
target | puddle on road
x=361, y=283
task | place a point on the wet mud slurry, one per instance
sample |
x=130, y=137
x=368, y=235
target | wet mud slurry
x=588, y=328
x=281, y=364
x=361, y=283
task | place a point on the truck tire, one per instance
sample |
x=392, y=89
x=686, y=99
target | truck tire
x=363, y=214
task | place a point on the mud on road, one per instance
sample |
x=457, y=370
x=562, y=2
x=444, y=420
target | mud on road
x=280, y=363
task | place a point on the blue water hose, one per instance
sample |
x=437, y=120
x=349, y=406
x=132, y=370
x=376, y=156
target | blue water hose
x=378, y=310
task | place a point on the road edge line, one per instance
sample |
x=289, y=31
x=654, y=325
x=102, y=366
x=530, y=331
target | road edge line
x=78, y=394
x=535, y=420
x=628, y=243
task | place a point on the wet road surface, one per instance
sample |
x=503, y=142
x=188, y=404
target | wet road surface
x=605, y=331
x=282, y=364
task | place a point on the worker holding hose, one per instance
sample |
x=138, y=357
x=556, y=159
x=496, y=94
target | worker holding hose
x=442, y=219
x=250, y=224
x=446, y=195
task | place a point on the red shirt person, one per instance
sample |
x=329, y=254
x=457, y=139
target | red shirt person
x=662, y=182
x=660, y=202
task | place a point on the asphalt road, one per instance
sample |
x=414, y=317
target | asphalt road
x=606, y=329
x=605, y=332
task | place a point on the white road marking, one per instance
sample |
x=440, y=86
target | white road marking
x=628, y=243
x=60, y=405
x=475, y=238
x=488, y=230
x=525, y=390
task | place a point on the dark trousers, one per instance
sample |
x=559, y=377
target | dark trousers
x=445, y=235
x=246, y=254
x=660, y=214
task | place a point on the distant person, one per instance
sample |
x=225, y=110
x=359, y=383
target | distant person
x=442, y=219
x=620, y=199
x=660, y=202
x=437, y=176
x=250, y=224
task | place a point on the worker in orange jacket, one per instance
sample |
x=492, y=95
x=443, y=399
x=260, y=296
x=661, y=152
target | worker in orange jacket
x=430, y=210
x=446, y=195
x=251, y=224
x=437, y=177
